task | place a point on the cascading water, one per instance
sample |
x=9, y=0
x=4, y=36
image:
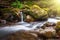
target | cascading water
x=28, y=25
x=21, y=17
x=22, y=21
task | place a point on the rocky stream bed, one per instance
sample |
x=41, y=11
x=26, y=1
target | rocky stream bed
x=36, y=32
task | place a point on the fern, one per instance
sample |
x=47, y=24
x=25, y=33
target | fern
x=17, y=4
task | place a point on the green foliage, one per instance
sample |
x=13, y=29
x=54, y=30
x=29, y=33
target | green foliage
x=17, y=4
x=29, y=3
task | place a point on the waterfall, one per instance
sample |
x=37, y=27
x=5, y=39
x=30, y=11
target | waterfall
x=22, y=21
x=21, y=17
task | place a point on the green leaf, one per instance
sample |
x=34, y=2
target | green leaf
x=17, y=4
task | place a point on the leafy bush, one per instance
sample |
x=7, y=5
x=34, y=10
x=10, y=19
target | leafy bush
x=17, y=4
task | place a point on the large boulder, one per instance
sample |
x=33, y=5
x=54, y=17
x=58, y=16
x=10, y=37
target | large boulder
x=22, y=35
x=36, y=12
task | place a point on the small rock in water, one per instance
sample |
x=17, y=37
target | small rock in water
x=49, y=32
x=3, y=21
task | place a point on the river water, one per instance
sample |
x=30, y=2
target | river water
x=10, y=29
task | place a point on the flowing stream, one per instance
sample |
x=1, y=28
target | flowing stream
x=23, y=26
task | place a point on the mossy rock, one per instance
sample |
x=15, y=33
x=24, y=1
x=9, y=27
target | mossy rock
x=57, y=26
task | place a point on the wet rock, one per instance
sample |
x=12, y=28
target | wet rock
x=23, y=35
x=49, y=32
